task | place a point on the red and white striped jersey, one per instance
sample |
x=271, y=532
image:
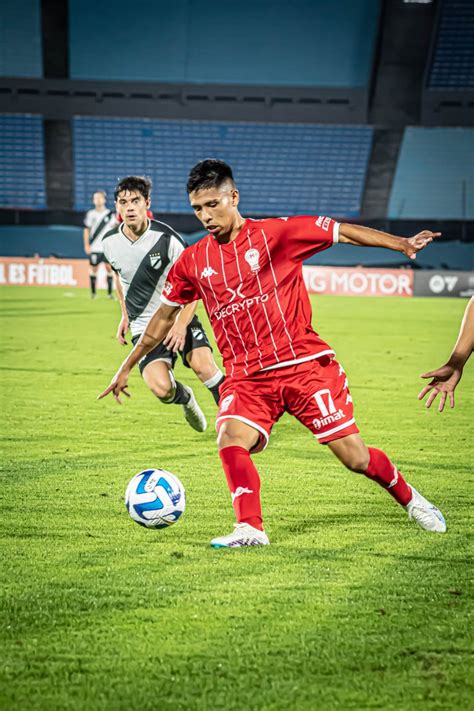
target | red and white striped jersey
x=253, y=291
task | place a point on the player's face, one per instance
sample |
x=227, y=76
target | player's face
x=216, y=208
x=99, y=201
x=132, y=207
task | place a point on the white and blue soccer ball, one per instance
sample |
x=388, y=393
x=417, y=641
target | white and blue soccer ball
x=155, y=498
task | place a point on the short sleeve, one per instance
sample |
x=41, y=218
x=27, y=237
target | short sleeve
x=303, y=236
x=88, y=219
x=176, y=248
x=178, y=288
x=109, y=257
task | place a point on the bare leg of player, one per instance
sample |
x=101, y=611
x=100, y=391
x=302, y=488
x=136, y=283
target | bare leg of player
x=203, y=364
x=160, y=379
x=110, y=281
x=375, y=465
x=93, y=279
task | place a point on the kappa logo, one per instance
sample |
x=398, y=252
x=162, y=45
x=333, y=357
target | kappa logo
x=226, y=402
x=236, y=292
x=207, y=272
x=155, y=260
x=239, y=491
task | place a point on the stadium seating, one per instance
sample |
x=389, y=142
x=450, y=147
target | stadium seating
x=20, y=39
x=452, y=64
x=325, y=43
x=280, y=168
x=22, y=169
x=434, y=177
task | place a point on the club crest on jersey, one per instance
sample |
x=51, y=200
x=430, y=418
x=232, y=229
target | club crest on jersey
x=252, y=257
x=155, y=260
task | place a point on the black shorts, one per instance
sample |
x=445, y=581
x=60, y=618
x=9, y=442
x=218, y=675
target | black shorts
x=196, y=337
x=96, y=258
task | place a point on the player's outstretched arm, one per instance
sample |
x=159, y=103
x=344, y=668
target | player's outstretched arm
x=157, y=328
x=446, y=378
x=367, y=237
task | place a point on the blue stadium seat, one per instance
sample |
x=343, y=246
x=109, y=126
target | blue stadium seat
x=20, y=39
x=280, y=168
x=434, y=177
x=452, y=65
x=22, y=169
x=325, y=43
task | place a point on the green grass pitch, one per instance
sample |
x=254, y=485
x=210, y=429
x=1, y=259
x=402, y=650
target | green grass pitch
x=351, y=607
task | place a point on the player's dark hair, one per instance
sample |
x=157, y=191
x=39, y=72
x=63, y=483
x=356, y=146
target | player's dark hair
x=209, y=173
x=134, y=184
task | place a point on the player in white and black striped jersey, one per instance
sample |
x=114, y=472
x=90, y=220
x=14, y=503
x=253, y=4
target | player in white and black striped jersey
x=97, y=223
x=141, y=252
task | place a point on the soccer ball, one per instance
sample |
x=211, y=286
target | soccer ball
x=155, y=498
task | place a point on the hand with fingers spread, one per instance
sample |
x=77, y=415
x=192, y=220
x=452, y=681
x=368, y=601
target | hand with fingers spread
x=118, y=386
x=446, y=378
x=444, y=383
x=418, y=242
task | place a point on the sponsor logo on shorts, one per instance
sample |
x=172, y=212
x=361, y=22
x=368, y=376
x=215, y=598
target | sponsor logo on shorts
x=327, y=408
x=167, y=288
x=320, y=422
x=207, y=272
x=325, y=402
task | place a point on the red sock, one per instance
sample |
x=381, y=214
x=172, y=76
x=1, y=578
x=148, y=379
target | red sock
x=386, y=474
x=244, y=485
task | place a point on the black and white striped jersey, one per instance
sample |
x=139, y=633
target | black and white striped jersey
x=143, y=266
x=99, y=223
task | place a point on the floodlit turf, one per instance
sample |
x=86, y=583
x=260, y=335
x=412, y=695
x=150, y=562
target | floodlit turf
x=351, y=607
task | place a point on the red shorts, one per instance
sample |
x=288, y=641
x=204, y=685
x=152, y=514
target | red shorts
x=315, y=392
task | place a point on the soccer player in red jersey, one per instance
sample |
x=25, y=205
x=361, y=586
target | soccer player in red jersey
x=249, y=275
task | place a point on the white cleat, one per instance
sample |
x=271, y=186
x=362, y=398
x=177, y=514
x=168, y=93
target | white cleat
x=243, y=535
x=193, y=413
x=425, y=514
